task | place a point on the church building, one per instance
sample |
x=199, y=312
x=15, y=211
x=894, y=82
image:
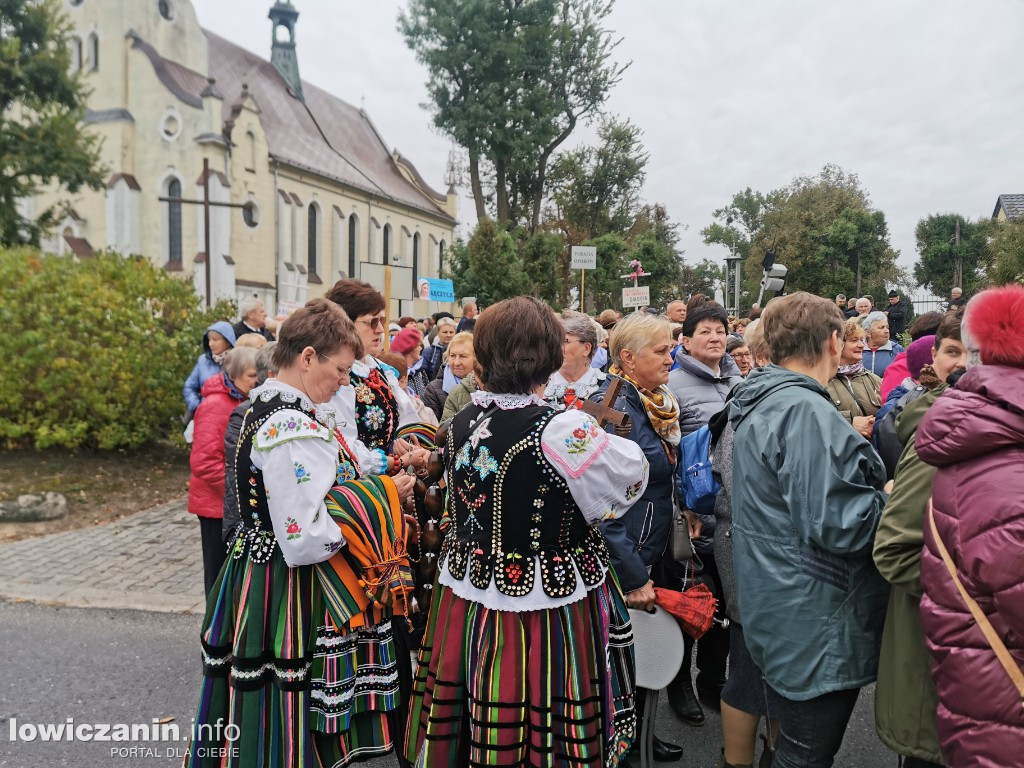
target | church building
x=313, y=192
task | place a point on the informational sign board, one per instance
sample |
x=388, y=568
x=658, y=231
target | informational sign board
x=583, y=257
x=636, y=297
x=435, y=289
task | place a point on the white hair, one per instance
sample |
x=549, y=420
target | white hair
x=871, y=318
x=248, y=306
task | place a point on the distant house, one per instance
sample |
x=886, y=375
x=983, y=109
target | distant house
x=323, y=195
x=1009, y=207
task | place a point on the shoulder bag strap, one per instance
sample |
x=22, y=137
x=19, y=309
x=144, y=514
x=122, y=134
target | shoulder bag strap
x=1008, y=662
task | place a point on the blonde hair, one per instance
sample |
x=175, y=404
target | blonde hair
x=252, y=340
x=636, y=332
x=460, y=338
x=238, y=360
x=754, y=339
x=852, y=328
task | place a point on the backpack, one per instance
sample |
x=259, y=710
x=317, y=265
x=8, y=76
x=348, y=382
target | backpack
x=696, y=481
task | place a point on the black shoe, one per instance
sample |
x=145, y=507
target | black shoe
x=665, y=752
x=710, y=696
x=683, y=702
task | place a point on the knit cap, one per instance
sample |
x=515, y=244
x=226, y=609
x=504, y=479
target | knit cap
x=919, y=354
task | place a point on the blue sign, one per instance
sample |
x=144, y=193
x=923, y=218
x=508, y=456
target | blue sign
x=435, y=289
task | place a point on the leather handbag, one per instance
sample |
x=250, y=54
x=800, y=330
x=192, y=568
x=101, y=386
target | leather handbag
x=680, y=547
x=996, y=643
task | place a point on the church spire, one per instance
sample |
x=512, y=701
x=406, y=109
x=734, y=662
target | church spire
x=283, y=56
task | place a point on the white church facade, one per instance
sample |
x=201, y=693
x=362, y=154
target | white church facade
x=314, y=192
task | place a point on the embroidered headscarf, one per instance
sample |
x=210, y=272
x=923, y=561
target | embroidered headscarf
x=661, y=406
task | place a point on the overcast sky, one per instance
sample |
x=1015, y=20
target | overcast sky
x=923, y=99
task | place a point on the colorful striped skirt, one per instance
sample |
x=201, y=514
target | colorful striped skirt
x=301, y=692
x=536, y=688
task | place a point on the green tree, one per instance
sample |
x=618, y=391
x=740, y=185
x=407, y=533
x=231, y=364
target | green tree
x=604, y=284
x=939, y=253
x=488, y=266
x=704, y=277
x=1006, y=252
x=736, y=224
x=41, y=109
x=509, y=82
x=824, y=230
x=665, y=266
x=542, y=256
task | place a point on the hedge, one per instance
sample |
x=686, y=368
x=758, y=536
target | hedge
x=95, y=351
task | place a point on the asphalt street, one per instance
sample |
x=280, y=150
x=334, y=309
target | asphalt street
x=103, y=666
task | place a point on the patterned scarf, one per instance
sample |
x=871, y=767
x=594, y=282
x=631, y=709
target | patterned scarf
x=849, y=371
x=661, y=406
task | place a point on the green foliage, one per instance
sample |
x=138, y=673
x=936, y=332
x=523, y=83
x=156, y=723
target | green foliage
x=509, y=82
x=936, y=244
x=820, y=228
x=604, y=284
x=96, y=351
x=41, y=108
x=704, y=277
x=543, y=255
x=1006, y=252
x=488, y=266
x=736, y=224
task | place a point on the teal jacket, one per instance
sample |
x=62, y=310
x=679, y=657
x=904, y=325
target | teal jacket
x=806, y=501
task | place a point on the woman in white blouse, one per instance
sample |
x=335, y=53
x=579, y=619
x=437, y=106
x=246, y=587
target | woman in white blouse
x=576, y=373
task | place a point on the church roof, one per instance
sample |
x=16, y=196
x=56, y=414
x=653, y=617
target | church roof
x=1012, y=204
x=323, y=135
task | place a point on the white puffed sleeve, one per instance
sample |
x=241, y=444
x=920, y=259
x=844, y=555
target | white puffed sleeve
x=299, y=461
x=605, y=473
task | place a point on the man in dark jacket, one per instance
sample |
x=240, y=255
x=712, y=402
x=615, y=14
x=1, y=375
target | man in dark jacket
x=898, y=313
x=806, y=499
x=254, y=318
x=232, y=516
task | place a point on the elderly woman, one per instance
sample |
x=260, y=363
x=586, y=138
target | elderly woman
x=754, y=338
x=221, y=393
x=974, y=539
x=854, y=389
x=881, y=350
x=459, y=362
x=526, y=658
x=641, y=356
x=373, y=408
x=806, y=499
x=432, y=358
x=576, y=373
x=217, y=340
x=740, y=354
x=302, y=609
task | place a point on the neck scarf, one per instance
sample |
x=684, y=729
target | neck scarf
x=661, y=406
x=450, y=381
x=849, y=371
x=219, y=359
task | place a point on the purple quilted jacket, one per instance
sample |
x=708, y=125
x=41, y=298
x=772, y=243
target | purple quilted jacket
x=974, y=434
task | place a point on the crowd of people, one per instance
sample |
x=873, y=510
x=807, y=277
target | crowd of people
x=868, y=527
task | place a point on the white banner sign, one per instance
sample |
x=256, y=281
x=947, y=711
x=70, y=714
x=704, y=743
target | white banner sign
x=583, y=257
x=636, y=297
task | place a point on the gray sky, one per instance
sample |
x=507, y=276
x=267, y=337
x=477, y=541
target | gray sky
x=921, y=98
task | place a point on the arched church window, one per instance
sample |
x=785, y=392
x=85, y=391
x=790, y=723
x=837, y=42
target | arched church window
x=313, y=235
x=166, y=9
x=415, y=258
x=94, y=52
x=387, y=244
x=440, y=259
x=250, y=151
x=353, y=255
x=174, y=221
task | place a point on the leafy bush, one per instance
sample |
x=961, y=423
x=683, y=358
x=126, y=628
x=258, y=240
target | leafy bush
x=95, y=352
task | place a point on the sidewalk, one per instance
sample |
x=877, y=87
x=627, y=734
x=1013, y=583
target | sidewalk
x=149, y=561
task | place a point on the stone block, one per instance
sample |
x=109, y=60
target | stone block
x=34, y=508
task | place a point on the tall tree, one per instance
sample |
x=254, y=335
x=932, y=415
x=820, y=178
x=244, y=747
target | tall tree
x=822, y=228
x=939, y=251
x=1006, y=252
x=41, y=109
x=488, y=266
x=510, y=81
x=703, y=277
x=736, y=224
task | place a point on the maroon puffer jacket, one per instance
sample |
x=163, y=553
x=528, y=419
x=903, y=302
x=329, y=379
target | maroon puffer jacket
x=974, y=434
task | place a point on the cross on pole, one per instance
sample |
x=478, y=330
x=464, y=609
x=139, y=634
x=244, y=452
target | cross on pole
x=635, y=275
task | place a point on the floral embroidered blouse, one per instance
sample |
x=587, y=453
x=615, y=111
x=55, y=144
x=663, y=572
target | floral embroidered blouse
x=584, y=387
x=301, y=459
x=605, y=475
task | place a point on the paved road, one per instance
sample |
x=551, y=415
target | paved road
x=86, y=651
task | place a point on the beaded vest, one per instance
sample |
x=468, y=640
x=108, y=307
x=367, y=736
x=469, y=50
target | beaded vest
x=511, y=510
x=376, y=410
x=255, y=535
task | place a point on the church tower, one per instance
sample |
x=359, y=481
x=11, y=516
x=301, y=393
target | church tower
x=283, y=55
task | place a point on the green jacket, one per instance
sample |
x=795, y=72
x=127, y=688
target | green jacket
x=856, y=396
x=458, y=398
x=905, y=698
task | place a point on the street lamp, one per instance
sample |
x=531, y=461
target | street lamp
x=732, y=267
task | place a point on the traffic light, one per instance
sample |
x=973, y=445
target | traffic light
x=774, y=278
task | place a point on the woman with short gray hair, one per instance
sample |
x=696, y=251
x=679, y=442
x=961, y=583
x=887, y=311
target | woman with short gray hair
x=576, y=379
x=881, y=349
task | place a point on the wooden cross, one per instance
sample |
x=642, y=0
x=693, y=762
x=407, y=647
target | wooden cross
x=605, y=412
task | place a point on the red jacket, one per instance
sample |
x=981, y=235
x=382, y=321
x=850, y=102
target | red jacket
x=206, y=486
x=894, y=374
x=974, y=434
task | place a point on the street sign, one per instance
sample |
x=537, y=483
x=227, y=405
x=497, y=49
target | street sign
x=636, y=297
x=583, y=257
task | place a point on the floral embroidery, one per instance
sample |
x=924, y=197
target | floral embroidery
x=581, y=438
x=301, y=475
x=633, y=490
x=364, y=394
x=462, y=457
x=332, y=546
x=374, y=417
x=252, y=503
x=482, y=432
x=346, y=472
x=291, y=424
x=513, y=570
x=538, y=503
x=485, y=464
x=293, y=530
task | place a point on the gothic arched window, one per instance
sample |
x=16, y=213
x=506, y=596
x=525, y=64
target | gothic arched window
x=387, y=244
x=313, y=238
x=415, y=258
x=174, y=222
x=94, y=52
x=353, y=255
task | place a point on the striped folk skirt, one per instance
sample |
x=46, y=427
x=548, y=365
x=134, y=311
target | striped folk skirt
x=537, y=688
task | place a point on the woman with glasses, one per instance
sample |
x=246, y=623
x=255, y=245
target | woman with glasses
x=740, y=354
x=576, y=373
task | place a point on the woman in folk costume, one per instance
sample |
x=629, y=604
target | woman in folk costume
x=527, y=658
x=374, y=409
x=299, y=650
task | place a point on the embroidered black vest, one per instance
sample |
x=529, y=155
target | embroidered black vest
x=255, y=535
x=511, y=509
x=376, y=410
